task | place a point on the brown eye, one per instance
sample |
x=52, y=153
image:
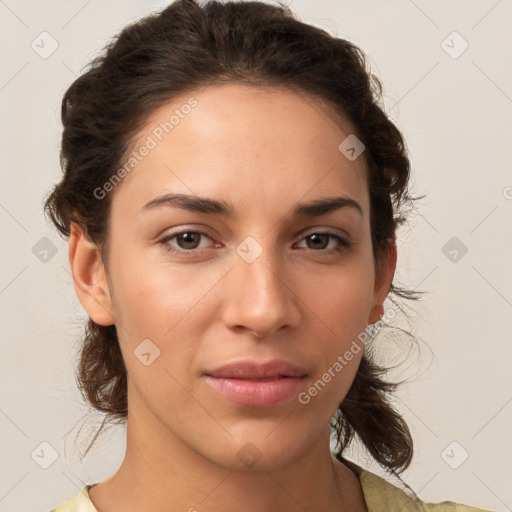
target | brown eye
x=320, y=241
x=186, y=241
x=189, y=240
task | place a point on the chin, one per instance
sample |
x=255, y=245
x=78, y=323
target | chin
x=255, y=453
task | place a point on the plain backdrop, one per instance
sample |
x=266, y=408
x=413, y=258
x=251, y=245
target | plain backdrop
x=446, y=68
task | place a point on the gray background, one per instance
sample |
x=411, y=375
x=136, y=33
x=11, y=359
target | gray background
x=454, y=108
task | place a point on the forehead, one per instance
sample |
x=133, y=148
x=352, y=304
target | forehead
x=267, y=147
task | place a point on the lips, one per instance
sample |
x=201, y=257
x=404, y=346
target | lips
x=254, y=370
x=254, y=384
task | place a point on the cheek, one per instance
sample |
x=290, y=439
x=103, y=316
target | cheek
x=151, y=295
x=171, y=305
x=343, y=299
x=343, y=309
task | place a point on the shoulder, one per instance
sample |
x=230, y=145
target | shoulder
x=380, y=496
x=79, y=503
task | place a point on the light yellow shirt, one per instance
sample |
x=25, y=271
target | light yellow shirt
x=379, y=495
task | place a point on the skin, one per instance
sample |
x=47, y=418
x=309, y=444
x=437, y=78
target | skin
x=263, y=150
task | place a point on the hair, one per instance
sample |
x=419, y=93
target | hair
x=187, y=46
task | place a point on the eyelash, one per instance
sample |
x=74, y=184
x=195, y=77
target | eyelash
x=344, y=245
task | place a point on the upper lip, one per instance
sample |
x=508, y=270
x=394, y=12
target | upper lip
x=248, y=369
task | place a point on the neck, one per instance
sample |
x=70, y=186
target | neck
x=161, y=473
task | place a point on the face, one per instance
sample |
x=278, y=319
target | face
x=256, y=276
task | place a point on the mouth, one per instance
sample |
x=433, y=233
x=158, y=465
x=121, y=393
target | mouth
x=255, y=384
x=257, y=392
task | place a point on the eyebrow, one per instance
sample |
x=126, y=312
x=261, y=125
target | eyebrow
x=198, y=204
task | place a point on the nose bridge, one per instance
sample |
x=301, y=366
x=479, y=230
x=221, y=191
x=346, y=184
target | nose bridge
x=259, y=298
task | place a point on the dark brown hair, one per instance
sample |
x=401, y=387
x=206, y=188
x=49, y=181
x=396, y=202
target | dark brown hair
x=178, y=50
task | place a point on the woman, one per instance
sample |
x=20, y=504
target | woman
x=231, y=194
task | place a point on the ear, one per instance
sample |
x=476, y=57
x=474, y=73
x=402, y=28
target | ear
x=384, y=273
x=89, y=277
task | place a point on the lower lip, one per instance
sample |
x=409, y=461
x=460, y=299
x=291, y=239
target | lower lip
x=257, y=393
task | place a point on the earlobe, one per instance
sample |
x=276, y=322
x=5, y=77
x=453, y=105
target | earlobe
x=89, y=277
x=384, y=274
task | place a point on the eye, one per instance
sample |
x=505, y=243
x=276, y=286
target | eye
x=319, y=239
x=188, y=240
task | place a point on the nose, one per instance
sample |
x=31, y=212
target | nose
x=260, y=296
